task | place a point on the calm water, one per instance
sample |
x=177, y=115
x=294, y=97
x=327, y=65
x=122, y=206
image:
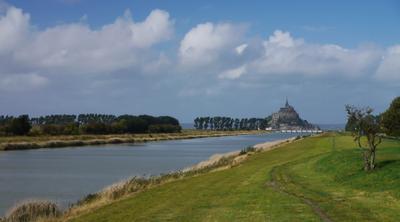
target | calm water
x=66, y=175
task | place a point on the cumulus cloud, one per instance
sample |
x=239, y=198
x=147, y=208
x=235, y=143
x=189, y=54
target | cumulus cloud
x=76, y=48
x=14, y=26
x=233, y=73
x=389, y=68
x=206, y=42
x=284, y=54
x=22, y=82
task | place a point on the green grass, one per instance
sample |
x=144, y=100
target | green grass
x=315, y=179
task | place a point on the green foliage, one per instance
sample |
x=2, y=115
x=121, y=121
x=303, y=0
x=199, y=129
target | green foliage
x=247, y=150
x=18, y=125
x=391, y=118
x=164, y=128
x=87, y=124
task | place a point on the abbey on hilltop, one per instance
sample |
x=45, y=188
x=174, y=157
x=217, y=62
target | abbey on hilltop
x=288, y=119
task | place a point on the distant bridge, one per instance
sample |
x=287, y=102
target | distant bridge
x=301, y=131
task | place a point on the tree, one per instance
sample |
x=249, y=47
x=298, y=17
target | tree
x=197, y=123
x=237, y=122
x=206, y=122
x=20, y=125
x=391, y=118
x=350, y=125
x=365, y=125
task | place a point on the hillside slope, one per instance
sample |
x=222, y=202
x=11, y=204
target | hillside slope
x=315, y=179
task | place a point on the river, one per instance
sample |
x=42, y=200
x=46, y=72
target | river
x=67, y=174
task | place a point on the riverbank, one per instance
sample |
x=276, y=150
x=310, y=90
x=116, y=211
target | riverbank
x=313, y=179
x=126, y=189
x=37, y=142
x=132, y=186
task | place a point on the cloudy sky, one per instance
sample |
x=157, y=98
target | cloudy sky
x=198, y=58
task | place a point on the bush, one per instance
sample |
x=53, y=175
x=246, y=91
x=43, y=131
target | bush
x=71, y=129
x=32, y=211
x=52, y=129
x=19, y=125
x=247, y=150
x=96, y=128
x=35, y=131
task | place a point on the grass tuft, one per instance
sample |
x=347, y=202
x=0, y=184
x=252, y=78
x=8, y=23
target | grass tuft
x=32, y=210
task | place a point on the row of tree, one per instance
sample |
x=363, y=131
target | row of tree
x=228, y=123
x=87, y=124
x=368, y=129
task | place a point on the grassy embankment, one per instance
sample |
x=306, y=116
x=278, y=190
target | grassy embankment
x=315, y=179
x=36, y=142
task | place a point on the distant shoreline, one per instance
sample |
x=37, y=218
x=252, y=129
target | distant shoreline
x=26, y=142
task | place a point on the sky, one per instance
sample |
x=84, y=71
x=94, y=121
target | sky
x=198, y=58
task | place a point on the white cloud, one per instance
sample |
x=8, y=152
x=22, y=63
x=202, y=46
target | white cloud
x=389, y=69
x=285, y=55
x=233, y=73
x=282, y=39
x=22, y=82
x=206, y=42
x=241, y=48
x=156, y=28
x=77, y=49
x=14, y=26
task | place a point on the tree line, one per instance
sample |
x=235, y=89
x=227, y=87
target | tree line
x=368, y=129
x=87, y=124
x=228, y=123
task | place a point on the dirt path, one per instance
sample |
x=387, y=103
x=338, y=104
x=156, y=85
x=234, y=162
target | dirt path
x=314, y=206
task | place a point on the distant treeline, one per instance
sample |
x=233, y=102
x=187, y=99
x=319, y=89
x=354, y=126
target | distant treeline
x=87, y=124
x=228, y=123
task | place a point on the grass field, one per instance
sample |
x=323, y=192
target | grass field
x=314, y=179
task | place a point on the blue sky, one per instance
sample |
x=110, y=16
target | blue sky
x=191, y=58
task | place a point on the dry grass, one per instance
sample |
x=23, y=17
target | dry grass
x=32, y=210
x=27, y=142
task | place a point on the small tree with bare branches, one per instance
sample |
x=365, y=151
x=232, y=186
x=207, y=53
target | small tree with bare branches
x=366, y=126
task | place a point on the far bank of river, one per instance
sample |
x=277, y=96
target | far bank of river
x=66, y=175
x=37, y=142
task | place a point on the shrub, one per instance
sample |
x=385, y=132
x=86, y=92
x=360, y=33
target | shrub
x=95, y=128
x=32, y=211
x=19, y=125
x=52, y=129
x=35, y=131
x=247, y=150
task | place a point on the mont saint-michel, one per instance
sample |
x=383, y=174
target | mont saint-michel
x=288, y=119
